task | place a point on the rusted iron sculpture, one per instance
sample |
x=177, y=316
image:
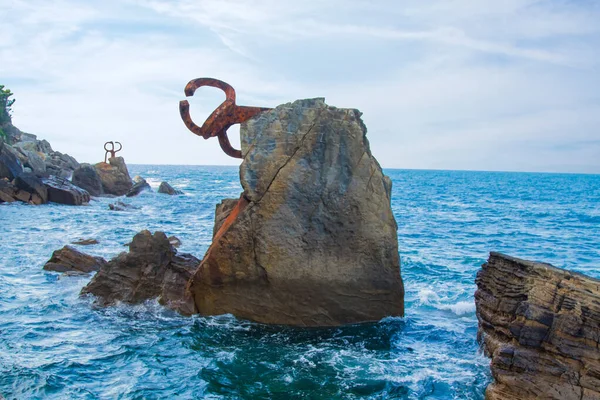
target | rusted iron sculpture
x=112, y=150
x=226, y=115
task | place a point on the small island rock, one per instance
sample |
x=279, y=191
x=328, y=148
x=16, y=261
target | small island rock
x=165, y=188
x=151, y=269
x=541, y=327
x=114, y=176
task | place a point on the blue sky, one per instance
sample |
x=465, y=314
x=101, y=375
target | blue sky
x=442, y=84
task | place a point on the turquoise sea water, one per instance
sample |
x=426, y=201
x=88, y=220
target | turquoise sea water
x=54, y=344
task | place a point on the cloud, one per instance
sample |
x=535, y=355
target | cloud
x=442, y=84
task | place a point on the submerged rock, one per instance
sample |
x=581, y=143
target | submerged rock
x=138, y=187
x=541, y=327
x=174, y=240
x=122, y=206
x=114, y=176
x=312, y=241
x=151, y=269
x=68, y=259
x=165, y=188
x=62, y=191
x=87, y=178
x=85, y=242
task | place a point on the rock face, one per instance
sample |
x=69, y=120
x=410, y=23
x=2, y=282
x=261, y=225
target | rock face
x=10, y=165
x=87, y=178
x=62, y=191
x=151, y=269
x=138, y=187
x=32, y=184
x=114, y=176
x=312, y=241
x=69, y=259
x=541, y=327
x=165, y=188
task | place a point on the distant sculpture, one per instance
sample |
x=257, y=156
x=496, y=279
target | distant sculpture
x=112, y=150
x=226, y=115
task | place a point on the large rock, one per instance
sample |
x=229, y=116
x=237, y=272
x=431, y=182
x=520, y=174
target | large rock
x=138, y=187
x=541, y=327
x=8, y=191
x=87, y=178
x=62, y=191
x=312, y=241
x=165, y=188
x=30, y=183
x=151, y=269
x=68, y=259
x=10, y=165
x=114, y=176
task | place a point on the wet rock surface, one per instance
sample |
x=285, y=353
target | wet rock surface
x=122, y=206
x=312, y=241
x=165, y=188
x=114, y=176
x=151, y=269
x=69, y=259
x=541, y=327
x=139, y=185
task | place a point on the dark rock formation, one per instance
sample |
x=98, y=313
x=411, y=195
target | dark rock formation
x=165, y=188
x=62, y=191
x=69, y=259
x=122, y=206
x=312, y=241
x=85, y=242
x=114, y=176
x=34, y=185
x=10, y=166
x=87, y=178
x=151, y=269
x=541, y=327
x=138, y=187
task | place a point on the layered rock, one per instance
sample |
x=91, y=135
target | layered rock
x=312, y=241
x=10, y=165
x=62, y=191
x=151, y=269
x=87, y=178
x=68, y=259
x=541, y=327
x=114, y=176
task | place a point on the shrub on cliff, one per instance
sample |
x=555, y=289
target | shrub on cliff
x=5, y=108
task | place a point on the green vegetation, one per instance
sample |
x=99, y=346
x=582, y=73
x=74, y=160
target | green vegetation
x=5, y=108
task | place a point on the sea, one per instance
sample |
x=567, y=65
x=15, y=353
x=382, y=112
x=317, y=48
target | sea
x=55, y=344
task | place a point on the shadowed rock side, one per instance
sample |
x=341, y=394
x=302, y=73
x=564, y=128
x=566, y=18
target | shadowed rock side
x=151, y=269
x=541, y=327
x=312, y=241
x=69, y=259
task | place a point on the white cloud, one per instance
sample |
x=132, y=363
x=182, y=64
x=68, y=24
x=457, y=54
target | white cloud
x=442, y=84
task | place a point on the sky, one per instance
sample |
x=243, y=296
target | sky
x=511, y=85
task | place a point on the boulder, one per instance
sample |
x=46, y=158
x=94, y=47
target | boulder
x=151, y=269
x=312, y=240
x=10, y=166
x=541, y=327
x=36, y=163
x=114, y=176
x=30, y=183
x=86, y=177
x=138, y=187
x=174, y=240
x=62, y=191
x=165, y=188
x=68, y=259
